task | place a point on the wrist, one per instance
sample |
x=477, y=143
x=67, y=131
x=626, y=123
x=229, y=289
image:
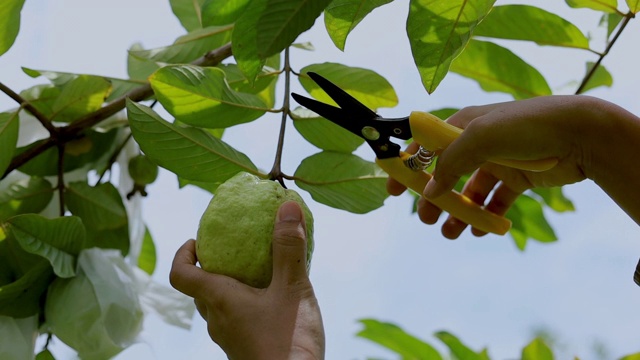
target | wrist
x=606, y=134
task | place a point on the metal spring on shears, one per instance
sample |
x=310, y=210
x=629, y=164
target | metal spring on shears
x=420, y=160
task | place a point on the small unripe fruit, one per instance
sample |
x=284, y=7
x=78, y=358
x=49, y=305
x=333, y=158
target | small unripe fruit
x=142, y=170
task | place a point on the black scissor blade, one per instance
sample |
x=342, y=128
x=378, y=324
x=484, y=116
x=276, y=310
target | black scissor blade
x=330, y=112
x=348, y=103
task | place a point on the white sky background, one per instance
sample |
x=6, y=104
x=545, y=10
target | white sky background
x=386, y=264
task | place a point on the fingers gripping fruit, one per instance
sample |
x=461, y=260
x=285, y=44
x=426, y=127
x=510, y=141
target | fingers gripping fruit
x=235, y=232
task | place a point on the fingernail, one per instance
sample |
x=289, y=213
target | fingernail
x=290, y=211
x=430, y=189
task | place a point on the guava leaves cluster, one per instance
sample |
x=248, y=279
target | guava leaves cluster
x=406, y=345
x=236, y=230
x=193, y=145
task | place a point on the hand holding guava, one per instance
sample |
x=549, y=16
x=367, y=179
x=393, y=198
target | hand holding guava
x=279, y=322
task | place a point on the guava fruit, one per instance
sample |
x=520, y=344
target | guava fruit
x=236, y=230
x=142, y=170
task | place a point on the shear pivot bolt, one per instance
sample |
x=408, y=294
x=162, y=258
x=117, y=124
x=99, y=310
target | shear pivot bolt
x=370, y=133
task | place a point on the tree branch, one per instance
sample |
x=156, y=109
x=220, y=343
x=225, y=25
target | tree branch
x=593, y=69
x=73, y=131
x=30, y=108
x=276, y=170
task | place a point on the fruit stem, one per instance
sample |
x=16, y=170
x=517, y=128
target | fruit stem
x=276, y=170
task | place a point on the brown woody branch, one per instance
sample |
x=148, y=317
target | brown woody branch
x=30, y=108
x=77, y=128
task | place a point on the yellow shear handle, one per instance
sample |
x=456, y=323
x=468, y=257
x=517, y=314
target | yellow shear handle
x=435, y=135
x=456, y=204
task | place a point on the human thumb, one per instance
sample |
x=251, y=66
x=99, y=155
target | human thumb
x=289, y=245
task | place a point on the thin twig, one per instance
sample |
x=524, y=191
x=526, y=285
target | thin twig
x=276, y=170
x=30, y=108
x=114, y=156
x=593, y=69
x=61, y=178
x=68, y=133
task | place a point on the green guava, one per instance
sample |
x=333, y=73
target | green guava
x=142, y=170
x=235, y=232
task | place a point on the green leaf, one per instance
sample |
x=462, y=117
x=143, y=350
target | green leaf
x=612, y=20
x=92, y=151
x=395, y=339
x=496, y=68
x=370, y=88
x=188, y=13
x=30, y=195
x=57, y=78
x=139, y=68
x=9, y=127
x=264, y=84
x=9, y=23
x=187, y=48
x=555, y=199
x=7, y=273
x=343, y=181
x=282, y=21
x=42, y=97
x=119, y=87
x=58, y=240
x=635, y=356
x=80, y=96
x=222, y=12
x=22, y=298
x=438, y=32
x=207, y=186
x=14, y=257
x=528, y=221
x=609, y=6
x=147, y=258
x=238, y=82
x=45, y=355
x=117, y=238
x=304, y=46
x=537, y=350
x=100, y=207
x=342, y=16
x=542, y=27
x=323, y=133
x=201, y=97
x=457, y=348
x=244, y=40
x=444, y=113
x=634, y=6
x=601, y=77
x=102, y=212
x=190, y=153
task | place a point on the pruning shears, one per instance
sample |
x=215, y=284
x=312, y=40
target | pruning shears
x=430, y=132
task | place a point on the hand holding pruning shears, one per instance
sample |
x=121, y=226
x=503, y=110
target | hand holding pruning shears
x=509, y=147
x=432, y=134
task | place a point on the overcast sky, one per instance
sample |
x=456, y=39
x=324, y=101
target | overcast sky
x=385, y=264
